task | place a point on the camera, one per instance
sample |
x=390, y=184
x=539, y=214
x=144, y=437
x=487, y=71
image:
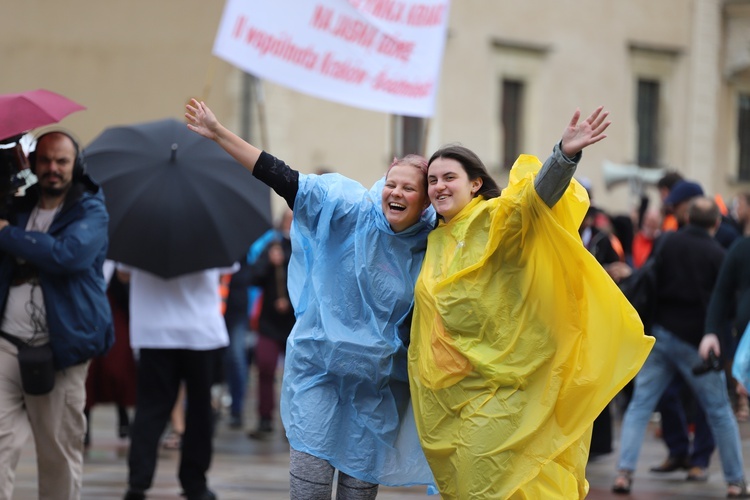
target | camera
x=15, y=174
x=710, y=364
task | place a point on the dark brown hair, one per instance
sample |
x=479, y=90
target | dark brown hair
x=473, y=167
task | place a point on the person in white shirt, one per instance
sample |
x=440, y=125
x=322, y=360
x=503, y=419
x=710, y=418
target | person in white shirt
x=177, y=327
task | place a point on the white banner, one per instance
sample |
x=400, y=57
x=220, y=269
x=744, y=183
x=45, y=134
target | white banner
x=383, y=55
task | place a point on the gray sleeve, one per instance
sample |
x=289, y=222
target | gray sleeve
x=554, y=177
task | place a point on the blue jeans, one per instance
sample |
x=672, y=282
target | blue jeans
x=671, y=355
x=236, y=366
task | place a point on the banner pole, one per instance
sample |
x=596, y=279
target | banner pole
x=425, y=135
x=260, y=104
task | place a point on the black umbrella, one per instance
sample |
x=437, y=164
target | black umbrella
x=177, y=202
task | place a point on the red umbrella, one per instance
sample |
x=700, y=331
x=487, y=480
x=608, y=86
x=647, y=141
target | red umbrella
x=22, y=112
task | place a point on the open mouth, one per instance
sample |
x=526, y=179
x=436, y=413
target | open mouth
x=397, y=207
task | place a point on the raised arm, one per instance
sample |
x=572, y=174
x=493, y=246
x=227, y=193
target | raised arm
x=558, y=170
x=202, y=121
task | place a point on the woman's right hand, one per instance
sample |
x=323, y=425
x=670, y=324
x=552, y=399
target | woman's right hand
x=201, y=119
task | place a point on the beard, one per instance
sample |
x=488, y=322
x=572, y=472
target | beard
x=55, y=191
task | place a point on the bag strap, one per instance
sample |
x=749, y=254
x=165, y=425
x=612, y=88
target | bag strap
x=20, y=344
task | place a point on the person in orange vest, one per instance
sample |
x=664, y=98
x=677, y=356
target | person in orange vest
x=643, y=241
x=664, y=185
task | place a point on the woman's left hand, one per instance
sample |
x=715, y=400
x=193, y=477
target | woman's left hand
x=577, y=136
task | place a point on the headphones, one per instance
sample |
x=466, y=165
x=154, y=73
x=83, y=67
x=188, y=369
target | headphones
x=79, y=165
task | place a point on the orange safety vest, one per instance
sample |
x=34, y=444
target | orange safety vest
x=669, y=223
x=617, y=246
x=722, y=206
x=224, y=291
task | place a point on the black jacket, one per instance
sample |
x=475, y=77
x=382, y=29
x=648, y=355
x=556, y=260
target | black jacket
x=686, y=276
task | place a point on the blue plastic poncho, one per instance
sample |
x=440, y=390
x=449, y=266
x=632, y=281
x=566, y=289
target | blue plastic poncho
x=519, y=340
x=741, y=363
x=345, y=394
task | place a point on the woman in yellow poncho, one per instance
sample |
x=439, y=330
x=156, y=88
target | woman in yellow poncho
x=519, y=337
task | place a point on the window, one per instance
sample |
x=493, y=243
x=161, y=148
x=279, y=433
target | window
x=647, y=117
x=511, y=118
x=743, y=136
x=408, y=134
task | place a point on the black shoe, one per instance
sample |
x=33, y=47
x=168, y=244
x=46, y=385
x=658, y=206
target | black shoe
x=264, y=431
x=205, y=495
x=672, y=464
x=623, y=482
x=738, y=490
x=134, y=495
x=696, y=473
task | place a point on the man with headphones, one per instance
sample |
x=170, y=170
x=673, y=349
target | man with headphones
x=52, y=291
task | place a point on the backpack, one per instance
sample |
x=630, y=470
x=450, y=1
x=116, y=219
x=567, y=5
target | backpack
x=641, y=287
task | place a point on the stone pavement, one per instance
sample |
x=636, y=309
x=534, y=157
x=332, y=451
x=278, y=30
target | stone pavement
x=258, y=470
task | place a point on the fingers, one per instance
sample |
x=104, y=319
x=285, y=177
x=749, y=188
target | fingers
x=195, y=113
x=601, y=128
x=595, y=139
x=574, y=120
x=597, y=121
x=594, y=115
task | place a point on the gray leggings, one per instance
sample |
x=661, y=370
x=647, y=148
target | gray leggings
x=311, y=478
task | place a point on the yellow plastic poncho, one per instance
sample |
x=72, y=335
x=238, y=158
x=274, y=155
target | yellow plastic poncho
x=519, y=340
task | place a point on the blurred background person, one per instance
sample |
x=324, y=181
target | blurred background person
x=112, y=378
x=177, y=327
x=235, y=359
x=275, y=322
x=730, y=300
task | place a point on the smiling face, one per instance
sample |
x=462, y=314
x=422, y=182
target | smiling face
x=404, y=196
x=449, y=187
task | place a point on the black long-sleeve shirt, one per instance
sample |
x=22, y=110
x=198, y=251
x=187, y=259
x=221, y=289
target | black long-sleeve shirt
x=279, y=176
x=686, y=275
x=732, y=287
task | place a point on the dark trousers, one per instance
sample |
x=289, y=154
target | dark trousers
x=674, y=425
x=267, y=352
x=160, y=372
x=601, y=434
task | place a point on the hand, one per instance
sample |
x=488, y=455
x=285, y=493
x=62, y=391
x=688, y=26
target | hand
x=577, y=136
x=282, y=305
x=3, y=224
x=201, y=119
x=741, y=390
x=618, y=271
x=276, y=255
x=709, y=342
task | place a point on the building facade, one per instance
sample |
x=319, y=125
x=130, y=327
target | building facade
x=675, y=75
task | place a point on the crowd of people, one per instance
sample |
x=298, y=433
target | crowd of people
x=702, y=307
x=421, y=345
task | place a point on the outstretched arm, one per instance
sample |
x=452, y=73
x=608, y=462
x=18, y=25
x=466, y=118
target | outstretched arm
x=202, y=121
x=558, y=170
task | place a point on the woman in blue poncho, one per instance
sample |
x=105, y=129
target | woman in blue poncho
x=356, y=254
